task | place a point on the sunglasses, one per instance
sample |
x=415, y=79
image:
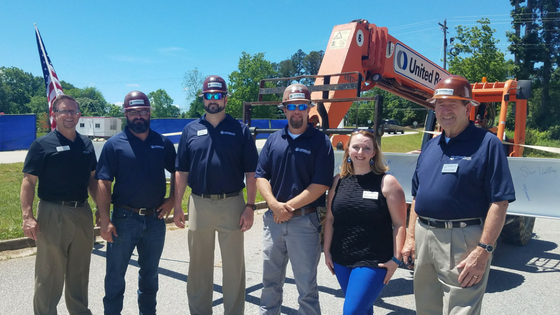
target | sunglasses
x=216, y=96
x=292, y=107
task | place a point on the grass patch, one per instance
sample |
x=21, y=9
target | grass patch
x=402, y=144
x=10, y=207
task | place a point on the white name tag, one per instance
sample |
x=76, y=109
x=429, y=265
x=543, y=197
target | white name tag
x=63, y=148
x=202, y=132
x=370, y=195
x=450, y=168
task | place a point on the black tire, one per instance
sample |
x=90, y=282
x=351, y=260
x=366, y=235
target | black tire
x=402, y=132
x=519, y=231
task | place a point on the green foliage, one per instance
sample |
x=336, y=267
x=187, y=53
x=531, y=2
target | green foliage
x=192, y=85
x=394, y=107
x=474, y=54
x=163, y=105
x=244, y=86
x=196, y=108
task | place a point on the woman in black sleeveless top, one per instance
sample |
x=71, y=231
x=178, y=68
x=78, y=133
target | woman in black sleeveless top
x=365, y=226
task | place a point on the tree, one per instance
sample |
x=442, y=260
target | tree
x=163, y=105
x=91, y=100
x=244, y=86
x=537, y=56
x=474, y=54
x=114, y=110
x=312, y=63
x=18, y=89
x=196, y=108
x=192, y=85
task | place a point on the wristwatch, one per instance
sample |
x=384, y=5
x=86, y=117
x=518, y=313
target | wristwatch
x=252, y=206
x=487, y=247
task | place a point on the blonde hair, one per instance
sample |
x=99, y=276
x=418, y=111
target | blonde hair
x=378, y=167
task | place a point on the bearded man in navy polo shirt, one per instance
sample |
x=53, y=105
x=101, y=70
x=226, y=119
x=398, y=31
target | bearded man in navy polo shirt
x=295, y=170
x=216, y=152
x=461, y=187
x=136, y=159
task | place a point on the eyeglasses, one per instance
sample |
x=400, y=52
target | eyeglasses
x=133, y=112
x=216, y=96
x=67, y=112
x=292, y=107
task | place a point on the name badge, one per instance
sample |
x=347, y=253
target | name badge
x=63, y=148
x=370, y=195
x=450, y=168
x=202, y=132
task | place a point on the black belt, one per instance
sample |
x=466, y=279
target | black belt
x=218, y=196
x=140, y=211
x=304, y=211
x=73, y=204
x=450, y=224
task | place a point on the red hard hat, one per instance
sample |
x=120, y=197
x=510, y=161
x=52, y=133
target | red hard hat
x=453, y=87
x=136, y=99
x=214, y=84
x=297, y=92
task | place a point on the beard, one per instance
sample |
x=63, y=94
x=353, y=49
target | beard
x=213, y=108
x=296, y=123
x=138, y=125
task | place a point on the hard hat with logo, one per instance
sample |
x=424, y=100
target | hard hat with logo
x=136, y=99
x=214, y=84
x=296, y=92
x=453, y=87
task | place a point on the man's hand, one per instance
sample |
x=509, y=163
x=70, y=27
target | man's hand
x=246, y=221
x=107, y=230
x=474, y=267
x=31, y=228
x=409, y=252
x=165, y=208
x=179, y=217
x=282, y=212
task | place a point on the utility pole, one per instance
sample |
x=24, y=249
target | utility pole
x=444, y=28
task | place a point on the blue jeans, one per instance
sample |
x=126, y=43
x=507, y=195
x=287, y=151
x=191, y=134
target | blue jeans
x=147, y=234
x=361, y=287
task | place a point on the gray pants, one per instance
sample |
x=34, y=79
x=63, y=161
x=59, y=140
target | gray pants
x=436, y=277
x=63, y=257
x=299, y=241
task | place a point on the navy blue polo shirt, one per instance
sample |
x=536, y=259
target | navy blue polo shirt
x=138, y=168
x=63, y=166
x=476, y=174
x=291, y=165
x=216, y=158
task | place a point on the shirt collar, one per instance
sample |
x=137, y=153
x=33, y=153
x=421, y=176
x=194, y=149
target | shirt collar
x=307, y=133
x=465, y=135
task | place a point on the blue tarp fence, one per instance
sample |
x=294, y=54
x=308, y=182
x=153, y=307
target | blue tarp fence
x=171, y=125
x=17, y=132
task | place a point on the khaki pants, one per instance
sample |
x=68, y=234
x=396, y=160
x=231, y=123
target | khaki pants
x=64, y=247
x=436, y=286
x=206, y=217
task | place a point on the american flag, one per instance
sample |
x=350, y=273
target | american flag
x=52, y=85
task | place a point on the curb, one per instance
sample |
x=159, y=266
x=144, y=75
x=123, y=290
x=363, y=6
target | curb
x=25, y=242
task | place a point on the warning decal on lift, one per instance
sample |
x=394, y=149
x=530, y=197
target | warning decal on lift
x=340, y=39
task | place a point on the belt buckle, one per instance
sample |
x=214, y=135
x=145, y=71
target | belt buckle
x=142, y=211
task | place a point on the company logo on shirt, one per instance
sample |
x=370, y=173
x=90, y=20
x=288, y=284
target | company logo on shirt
x=303, y=150
x=157, y=147
x=459, y=157
x=227, y=133
x=87, y=152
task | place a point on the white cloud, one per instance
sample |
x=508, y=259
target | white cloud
x=119, y=104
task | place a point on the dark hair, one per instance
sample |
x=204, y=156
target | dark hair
x=62, y=97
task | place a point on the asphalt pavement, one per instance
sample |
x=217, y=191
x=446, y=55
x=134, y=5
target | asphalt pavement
x=523, y=280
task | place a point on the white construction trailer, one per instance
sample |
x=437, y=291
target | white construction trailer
x=99, y=127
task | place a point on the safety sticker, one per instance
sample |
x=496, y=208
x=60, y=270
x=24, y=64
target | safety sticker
x=340, y=39
x=444, y=92
x=214, y=84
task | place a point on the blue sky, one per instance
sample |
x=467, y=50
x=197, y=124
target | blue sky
x=120, y=46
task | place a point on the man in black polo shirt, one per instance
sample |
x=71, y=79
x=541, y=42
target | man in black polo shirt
x=64, y=163
x=215, y=154
x=136, y=159
x=294, y=171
